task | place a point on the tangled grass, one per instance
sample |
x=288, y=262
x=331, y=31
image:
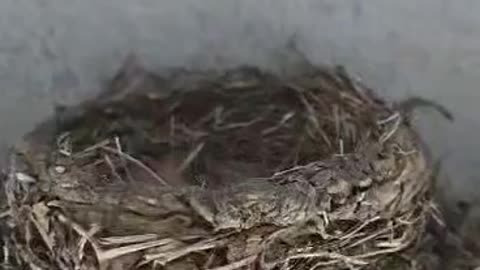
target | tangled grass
x=221, y=170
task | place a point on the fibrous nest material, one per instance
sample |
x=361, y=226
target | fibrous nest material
x=220, y=170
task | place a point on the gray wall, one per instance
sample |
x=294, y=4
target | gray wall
x=62, y=49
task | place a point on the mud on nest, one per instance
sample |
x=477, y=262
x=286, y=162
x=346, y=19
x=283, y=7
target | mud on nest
x=220, y=170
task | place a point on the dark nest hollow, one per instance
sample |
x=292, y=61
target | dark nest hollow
x=221, y=170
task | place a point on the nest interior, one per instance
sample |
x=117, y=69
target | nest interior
x=240, y=169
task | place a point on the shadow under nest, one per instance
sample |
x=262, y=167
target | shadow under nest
x=221, y=170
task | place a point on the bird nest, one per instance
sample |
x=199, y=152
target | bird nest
x=220, y=170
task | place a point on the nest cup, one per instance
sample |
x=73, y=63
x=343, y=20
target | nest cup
x=239, y=169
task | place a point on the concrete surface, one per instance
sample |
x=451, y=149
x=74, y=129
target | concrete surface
x=61, y=50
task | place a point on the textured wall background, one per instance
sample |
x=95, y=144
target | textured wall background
x=62, y=49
